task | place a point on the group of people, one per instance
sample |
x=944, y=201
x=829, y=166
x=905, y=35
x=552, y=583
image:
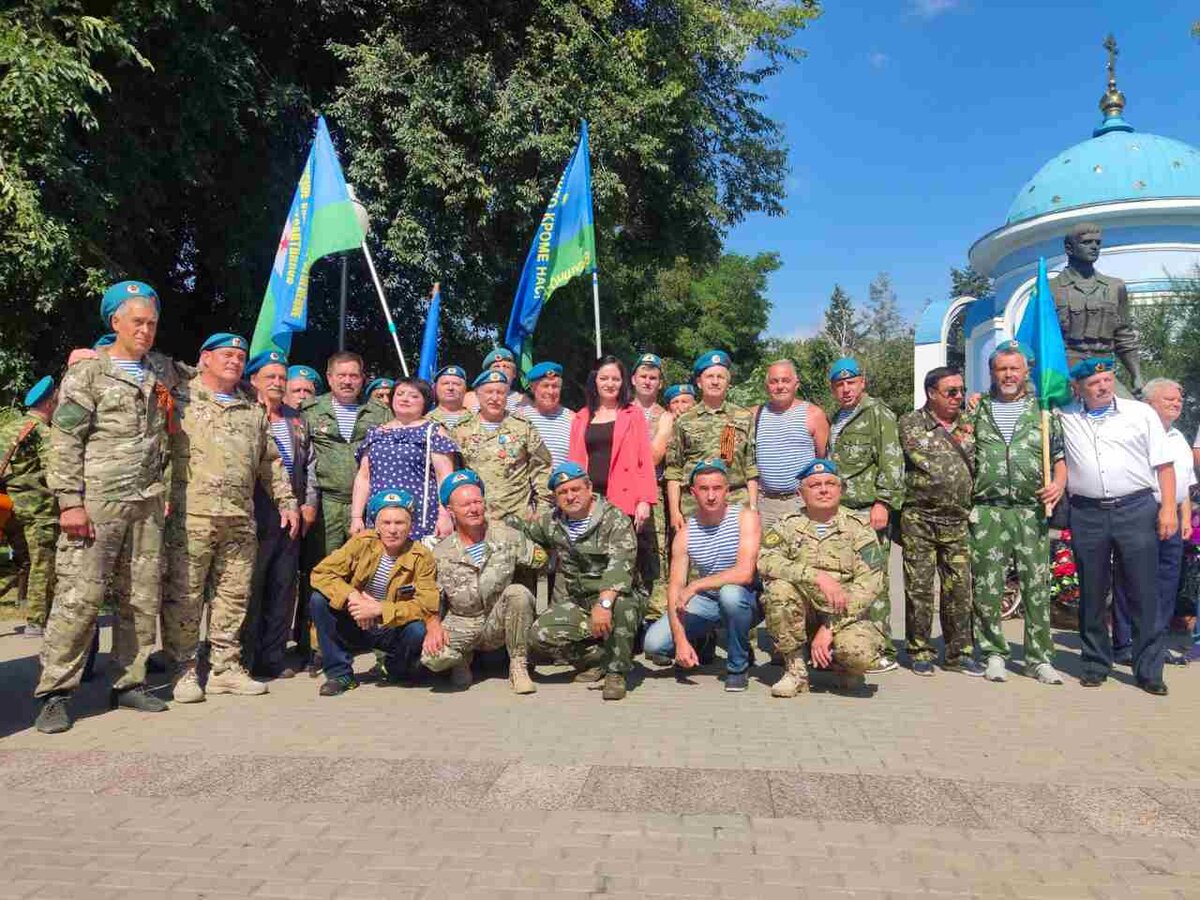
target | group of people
x=415, y=520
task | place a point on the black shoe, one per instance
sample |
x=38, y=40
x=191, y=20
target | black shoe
x=1125, y=658
x=137, y=698
x=1157, y=688
x=737, y=681
x=55, y=717
x=968, y=665
x=1087, y=680
x=338, y=685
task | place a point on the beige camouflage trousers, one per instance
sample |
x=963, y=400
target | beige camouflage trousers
x=199, y=548
x=128, y=533
x=791, y=619
x=506, y=625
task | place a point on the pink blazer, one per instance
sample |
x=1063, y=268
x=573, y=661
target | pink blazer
x=631, y=468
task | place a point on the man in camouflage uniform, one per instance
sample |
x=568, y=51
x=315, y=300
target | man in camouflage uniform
x=221, y=447
x=475, y=568
x=864, y=444
x=1008, y=520
x=647, y=378
x=939, y=461
x=595, y=615
x=108, y=455
x=821, y=568
x=32, y=530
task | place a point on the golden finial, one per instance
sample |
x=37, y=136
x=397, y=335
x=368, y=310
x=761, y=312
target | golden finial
x=1112, y=104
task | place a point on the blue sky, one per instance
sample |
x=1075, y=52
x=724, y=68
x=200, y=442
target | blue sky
x=912, y=124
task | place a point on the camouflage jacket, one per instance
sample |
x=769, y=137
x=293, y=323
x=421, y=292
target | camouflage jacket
x=868, y=456
x=939, y=476
x=601, y=559
x=109, y=433
x=472, y=589
x=1011, y=473
x=440, y=416
x=25, y=477
x=794, y=552
x=218, y=452
x=336, y=465
x=513, y=462
x=698, y=435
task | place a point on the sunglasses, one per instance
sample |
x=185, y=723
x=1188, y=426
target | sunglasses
x=952, y=392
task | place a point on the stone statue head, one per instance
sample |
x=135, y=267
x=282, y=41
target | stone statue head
x=1082, y=242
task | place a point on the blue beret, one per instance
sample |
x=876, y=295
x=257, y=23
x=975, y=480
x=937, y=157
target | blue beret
x=844, y=368
x=564, y=472
x=817, y=467
x=502, y=353
x=542, y=369
x=105, y=340
x=454, y=481
x=1086, y=368
x=225, y=339
x=308, y=373
x=648, y=359
x=676, y=389
x=456, y=371
x=377, y=383
x=489, y=377
x=122, y=291
x=708, y=465
x=39, y=392
x=1011, y=346
x=381, y=500
x=264, y=359
x=710, y=358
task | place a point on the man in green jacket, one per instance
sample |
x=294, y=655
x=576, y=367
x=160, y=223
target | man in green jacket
x=1008, y=521
x=865, y=446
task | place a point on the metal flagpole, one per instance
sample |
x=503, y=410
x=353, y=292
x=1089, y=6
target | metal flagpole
x=387, y=313
x=596, y=308
x=342, y=307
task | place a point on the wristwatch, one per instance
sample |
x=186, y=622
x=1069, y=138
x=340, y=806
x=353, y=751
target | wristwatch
x=606, y=603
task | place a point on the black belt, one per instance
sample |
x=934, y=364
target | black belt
x=781, y=495
x=1110, y=502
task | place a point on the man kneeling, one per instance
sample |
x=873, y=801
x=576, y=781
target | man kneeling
x=822, y=568
x=720, y=543
x=378, y=592
x=475, y=567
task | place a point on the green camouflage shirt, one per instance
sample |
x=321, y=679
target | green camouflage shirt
x=938, y=479
x=472, y=589
x=513, y=462
x=698, y=435
x=868, y=456
x=1011, y=473
x=25, y=477
x=336, y=465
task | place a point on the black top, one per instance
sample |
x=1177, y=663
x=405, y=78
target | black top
x=598, y=439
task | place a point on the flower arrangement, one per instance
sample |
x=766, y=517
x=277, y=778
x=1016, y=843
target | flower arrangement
x=1064, y=583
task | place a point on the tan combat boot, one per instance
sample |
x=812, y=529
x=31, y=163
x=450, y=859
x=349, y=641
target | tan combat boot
x=460, y=675
x=794, y=680
x=187, y=686
x=234, y=679
x=518, y=676
x=614, y=686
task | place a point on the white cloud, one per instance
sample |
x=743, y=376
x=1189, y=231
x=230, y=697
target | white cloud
x=877, y=59
x=931, y=9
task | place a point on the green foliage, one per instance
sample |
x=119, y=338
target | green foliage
x=843, y=325
x=969, y=283
x=1170, y=334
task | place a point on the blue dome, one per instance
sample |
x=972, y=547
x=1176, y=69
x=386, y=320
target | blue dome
x=1117, y=163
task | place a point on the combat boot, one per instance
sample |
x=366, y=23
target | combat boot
x=794, y=680
x=233, y=679
x=518, y=676
x=187, y=686
x=55, y=716
x=460, y=675
x=591, y=677
x=614, y=686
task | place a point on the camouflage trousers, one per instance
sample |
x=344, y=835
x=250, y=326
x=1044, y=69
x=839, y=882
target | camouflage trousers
x=33, y=540
x=564, y=632
x=880, y=611
x=656, y=607
x=200, y=548
x=505, y=625
x=933, y=547
x=1000, y=534
x=791, y=619
x=128, y=534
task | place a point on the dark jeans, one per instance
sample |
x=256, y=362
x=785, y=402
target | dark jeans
x=1170, y=561
x=1128, y=536
x=340, y=638
x=272, y=600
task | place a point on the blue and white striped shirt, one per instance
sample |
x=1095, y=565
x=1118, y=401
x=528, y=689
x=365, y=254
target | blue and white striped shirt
x=134, y=368
x=784, y=446
x=477, y=552
x=714, y=548
x=838, y=423
x=225, y=398
x=450, y=419
x=554, y=430
x=346, y=417
x=377, y=586
x=1006, y=414
x=490, y=426
x=283, y=441
x=576, y=527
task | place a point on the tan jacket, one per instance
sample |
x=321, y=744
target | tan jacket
x=412, y=591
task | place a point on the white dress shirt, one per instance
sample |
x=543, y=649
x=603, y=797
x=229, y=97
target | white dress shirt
x=1116, y=454
x=1185, y=467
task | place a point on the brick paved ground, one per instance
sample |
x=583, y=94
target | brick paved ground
x=932, y=787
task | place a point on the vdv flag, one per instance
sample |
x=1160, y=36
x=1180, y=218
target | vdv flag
x=564, y=246
x=1040, y=332
x=429, y=340
x=321, y=221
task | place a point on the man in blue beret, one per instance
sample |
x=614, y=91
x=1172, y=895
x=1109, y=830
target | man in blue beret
x=380, y=390
x=1121, y=482
x=377, y=592
x=303, y=384
x=220, y=449
x=450, y=393
x=679, y=398
x=501, y=359
x=547, y=414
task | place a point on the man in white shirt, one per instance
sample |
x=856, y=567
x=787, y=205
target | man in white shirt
x=1118, y=462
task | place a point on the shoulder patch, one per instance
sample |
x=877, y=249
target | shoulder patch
x=772, y=538
x=69, y=415
x=872, y=554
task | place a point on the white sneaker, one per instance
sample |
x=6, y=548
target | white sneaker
x=882, y=664
x=235, y=680
x=995, y=669
x=187, y=687
x=1047, y=674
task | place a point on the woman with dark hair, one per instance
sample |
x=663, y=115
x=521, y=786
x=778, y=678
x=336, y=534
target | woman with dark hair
x=410, y=453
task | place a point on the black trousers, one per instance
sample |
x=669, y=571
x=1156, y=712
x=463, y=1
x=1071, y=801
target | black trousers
x=272, y=603
x=1128, y=535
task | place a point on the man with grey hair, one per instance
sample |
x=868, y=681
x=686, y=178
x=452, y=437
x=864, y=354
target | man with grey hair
x=1166, y=398
x=789, y=434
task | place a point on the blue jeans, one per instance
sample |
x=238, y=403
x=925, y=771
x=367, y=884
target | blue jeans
x=734, y=606
x=340, y=637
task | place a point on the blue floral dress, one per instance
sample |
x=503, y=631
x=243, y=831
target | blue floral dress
x=398, y=461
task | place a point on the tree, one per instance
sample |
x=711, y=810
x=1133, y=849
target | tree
x=882, y=320
x=969, y=283
x=842, y=323
x=1170, y=332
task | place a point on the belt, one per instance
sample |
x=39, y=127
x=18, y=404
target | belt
x=1110, y=502
x=1008, y=504
x=778, y=495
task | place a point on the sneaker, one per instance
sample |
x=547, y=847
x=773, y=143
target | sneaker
x=1047, y=674
x=55, y=717
x=339, y=684
x=592, y=676
x=1175, y=658
x=737, y=681
x=233, y=679
x=995, y=669
x=33, y=630
x=883, y=664
x=136, y=698
x=923, y=667
x=1193, y=655
x=967, y=666
x=187, y=687
x=614, y=686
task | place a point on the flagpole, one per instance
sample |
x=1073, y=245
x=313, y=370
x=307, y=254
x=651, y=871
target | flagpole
x=596, y=308
x=387, y=313
x=1046, y=457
